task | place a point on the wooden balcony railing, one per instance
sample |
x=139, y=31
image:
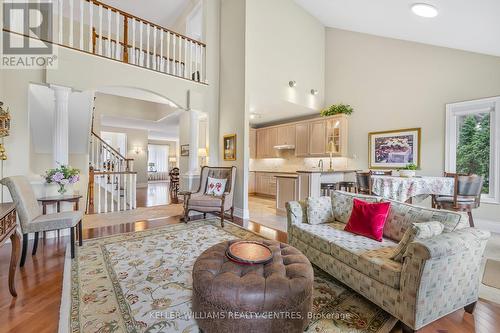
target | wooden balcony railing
x=94, y=27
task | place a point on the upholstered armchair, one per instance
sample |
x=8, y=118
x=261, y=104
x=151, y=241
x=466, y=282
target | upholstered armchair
x=31, y=218
x=202, y=202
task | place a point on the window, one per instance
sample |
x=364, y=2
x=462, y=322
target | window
x=472, y=142
x=158, y=158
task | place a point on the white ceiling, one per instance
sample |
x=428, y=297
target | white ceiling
x=471, y=25
x=162, y=12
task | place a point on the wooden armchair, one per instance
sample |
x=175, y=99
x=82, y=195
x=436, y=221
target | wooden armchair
x=466, y=195
x=201, y=202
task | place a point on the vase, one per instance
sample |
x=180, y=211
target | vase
x=62, y=189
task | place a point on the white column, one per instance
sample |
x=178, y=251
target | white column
x=61, y=125
x=194, y=125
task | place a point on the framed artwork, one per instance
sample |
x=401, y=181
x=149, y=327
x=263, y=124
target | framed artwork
x=229, y=144
x=184, y=150
x=394, y=149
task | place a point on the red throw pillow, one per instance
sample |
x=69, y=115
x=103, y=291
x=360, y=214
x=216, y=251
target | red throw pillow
x=368, y=219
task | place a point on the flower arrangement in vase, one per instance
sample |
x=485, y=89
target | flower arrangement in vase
x=62, y=176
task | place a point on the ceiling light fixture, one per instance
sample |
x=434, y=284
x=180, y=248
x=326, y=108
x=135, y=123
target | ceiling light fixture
x=314, y=92
x=254, y=115
x=292, y=84
x=424, y=10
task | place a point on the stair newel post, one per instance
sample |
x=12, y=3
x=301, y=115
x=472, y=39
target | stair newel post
x=91, y=191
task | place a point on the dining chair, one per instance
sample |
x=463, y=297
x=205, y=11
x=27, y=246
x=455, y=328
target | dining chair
x=364, y=180
x=33, y=221
x=202, y=202
x=466, y=195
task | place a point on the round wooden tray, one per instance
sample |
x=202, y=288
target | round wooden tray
x=249, y=252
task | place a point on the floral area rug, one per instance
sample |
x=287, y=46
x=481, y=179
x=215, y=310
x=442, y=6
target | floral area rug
x=141, y=283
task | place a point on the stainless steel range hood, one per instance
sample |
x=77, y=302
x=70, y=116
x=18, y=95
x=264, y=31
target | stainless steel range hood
x=284, y=147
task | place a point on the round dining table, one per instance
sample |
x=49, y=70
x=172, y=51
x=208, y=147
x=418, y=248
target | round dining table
x=405, y=189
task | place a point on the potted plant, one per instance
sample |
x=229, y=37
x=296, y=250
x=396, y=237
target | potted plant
x=62, y=176
x=408, y=171
x=337, y=109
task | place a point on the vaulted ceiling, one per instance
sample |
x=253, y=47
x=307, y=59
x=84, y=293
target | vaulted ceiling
x=471, y=25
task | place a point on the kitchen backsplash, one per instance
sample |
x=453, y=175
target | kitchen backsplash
x=288, y=162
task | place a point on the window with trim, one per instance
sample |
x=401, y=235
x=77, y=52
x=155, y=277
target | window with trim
x=472, y=142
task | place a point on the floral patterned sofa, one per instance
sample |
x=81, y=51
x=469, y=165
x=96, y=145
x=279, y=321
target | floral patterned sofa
x=437, y=275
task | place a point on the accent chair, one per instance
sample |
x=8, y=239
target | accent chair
x=33, y=221
x=204, y=203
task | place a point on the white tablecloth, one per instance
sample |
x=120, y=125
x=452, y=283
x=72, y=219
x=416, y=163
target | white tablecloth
x=402, y=189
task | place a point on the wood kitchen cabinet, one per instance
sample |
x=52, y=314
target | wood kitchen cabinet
x=251, y=182
x=302, y=139
x=265, y=183
x=317, y=138
x=252, y=137
x=286, y=135
x=311, y=138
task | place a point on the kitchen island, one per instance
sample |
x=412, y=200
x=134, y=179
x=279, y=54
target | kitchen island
x=309, y=182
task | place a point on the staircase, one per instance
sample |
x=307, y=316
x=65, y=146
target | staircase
x=112, y=181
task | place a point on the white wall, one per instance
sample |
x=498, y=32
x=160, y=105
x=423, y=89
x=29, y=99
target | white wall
x=394, y=84
x=233, y=109
x=283, y=43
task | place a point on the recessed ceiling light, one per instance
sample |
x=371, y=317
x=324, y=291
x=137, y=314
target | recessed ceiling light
x=424, y=10
x=254, y=115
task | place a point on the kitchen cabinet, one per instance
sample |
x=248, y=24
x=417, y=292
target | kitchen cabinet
x=267, y=138
x=286, y=135
x=251, y=182
x=302, y=140
x=252, y=137
x=311, y=138
x=265, y=183
x=317, y=138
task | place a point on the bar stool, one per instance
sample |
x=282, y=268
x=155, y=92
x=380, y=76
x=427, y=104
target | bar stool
x=328, y=188
x=346, y=186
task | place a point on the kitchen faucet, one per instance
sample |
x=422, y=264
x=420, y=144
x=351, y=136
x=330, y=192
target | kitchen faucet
x=320, y=165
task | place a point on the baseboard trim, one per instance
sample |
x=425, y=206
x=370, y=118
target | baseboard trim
x=243, y=214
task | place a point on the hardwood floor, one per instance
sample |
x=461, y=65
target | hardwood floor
x=39, y=287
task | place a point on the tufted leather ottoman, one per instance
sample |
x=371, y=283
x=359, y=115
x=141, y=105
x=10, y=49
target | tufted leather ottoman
x=272, y=297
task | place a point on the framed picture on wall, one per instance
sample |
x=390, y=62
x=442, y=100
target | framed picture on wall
x=184, y=150
x=229, y=144
x=394, y=149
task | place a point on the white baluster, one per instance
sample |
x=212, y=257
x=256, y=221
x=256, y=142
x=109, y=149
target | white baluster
x=130, y=197
x=97, y=177
x=162, y=61
x=100, y=31
x=197, y=68
x=118, y=195
x=173, y=56
x=148, y=32
x=168, y=52
x=81, y=25
x=133, y=41
x=113, y=190
x=61, y=26
x=202, y=67
x=91, y=25
x=71, y=22
x=186, y=75
x=125, y=192
x=106, y=192
x=108, y=51
x=134, y=191
x=118, y=48
x=141, y=33
x=191, y=45
x=155, y=62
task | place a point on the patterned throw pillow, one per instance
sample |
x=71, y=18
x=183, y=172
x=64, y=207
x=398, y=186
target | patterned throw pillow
x=319, y=210
x=420, y=230
x=216, y=186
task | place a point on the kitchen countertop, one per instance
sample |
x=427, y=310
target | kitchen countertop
x=278, y=172
x=295, y=176
x=326, y=171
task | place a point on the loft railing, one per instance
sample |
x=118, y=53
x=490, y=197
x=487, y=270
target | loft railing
x=97, y=28
x=103, y=157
